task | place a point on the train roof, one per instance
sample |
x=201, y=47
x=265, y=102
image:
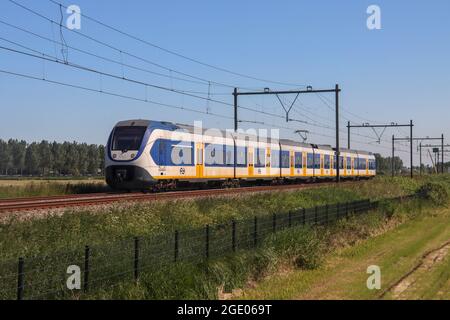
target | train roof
x=225, y=133
x=295, y=143
x=135, y=122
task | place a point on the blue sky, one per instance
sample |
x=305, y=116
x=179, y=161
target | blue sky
x=395, y=74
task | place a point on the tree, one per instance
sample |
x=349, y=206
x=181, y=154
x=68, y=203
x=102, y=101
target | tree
x=45, y=156
x=93, y=159
x=71, y=163
x=384, y=165
x=17, y=150
x=83, y=158
x=101, y=156
x=32, y=159
x=57, y=157
x=4, y=157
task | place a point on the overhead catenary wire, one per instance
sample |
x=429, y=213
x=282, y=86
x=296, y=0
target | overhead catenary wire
x=50, y=58
x=192, y=78
x=147, y=101
x=53, y=59
x=205, y=81
x=127, y=34
x=134, y=67
x=119, y=50
x=32, y=77
x=344, y=109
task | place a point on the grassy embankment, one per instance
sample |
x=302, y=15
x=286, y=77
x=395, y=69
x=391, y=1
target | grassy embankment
x=291, y=249
x=397, y=253
x=21, y=187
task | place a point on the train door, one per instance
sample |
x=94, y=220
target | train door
x=353, y=165
x=162, y=153
x=251, y=165
x=348, y=166
x=331, y=165
x=304, y=163
x=268, y=162
x=367, y=167
x=321, y=164
x=199, y=165
x=344, y=161
x=292, y=163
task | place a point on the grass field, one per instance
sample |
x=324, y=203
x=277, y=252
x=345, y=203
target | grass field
x=12, y=188
x=397, y=252
x=69, y=230
x=289, y=251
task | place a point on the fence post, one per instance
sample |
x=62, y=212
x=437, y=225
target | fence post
x=290, y=219
x=136, y=259
x=255, y=232
x=233, y=235
x=87, y=253
x=176, y=246
x=274, y=222
x=20, y=279
x=304, y=216
x=207, y=241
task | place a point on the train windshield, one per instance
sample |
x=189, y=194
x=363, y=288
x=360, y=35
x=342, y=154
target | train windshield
x=127, y=138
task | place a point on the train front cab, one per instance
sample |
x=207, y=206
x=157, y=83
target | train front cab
x=125, y=156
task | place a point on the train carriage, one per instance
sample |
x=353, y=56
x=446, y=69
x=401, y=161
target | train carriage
x=144, y=154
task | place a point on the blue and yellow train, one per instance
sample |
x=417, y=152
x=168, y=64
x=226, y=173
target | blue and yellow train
x=144, y=155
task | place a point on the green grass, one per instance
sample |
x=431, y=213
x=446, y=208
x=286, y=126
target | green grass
x=300, y=248
x=344, y=274
x=113, y=227
x=27, y=188
x=51, y=178
x=74, y=230
x=435, y=284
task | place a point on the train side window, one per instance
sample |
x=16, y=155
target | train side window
x=260, y=158
x=298, y=159
x=162, y=152
x=310, y=161
x=275, y=158
x=181, y=154
x=349, y=163
x=326, y=161
x=214, y=154
x=229, y=155
x=241, y=158
x=285, y=159
x=317, y=161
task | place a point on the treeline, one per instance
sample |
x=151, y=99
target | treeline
x=384, y=165
x=50, y=158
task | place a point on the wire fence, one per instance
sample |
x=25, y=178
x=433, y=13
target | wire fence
x=103, y=266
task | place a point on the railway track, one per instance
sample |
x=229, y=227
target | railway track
x=53, y=202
